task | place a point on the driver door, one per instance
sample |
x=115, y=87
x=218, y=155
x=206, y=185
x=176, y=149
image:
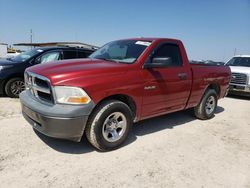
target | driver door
x=166, y=89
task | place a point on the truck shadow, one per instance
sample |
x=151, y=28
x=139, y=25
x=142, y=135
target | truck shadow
x=242, y=97
x=145, y=127
x=168, y=121
x=66, y=146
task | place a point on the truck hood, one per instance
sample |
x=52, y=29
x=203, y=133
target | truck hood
x=238, y=69
x=65, y=71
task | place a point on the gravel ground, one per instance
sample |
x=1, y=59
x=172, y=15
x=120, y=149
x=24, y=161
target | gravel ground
x=175, y=150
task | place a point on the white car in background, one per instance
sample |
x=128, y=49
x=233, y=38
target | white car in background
x=240, y=68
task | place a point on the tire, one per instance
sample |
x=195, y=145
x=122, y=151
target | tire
x=206, y=108
x=109, y=125
x=14, y=87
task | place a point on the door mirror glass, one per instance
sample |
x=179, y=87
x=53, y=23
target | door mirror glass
x=159, y=62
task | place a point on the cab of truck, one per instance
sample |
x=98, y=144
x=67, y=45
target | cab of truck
x=240, y=80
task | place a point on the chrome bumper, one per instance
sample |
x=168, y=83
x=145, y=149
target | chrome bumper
x=240, y=88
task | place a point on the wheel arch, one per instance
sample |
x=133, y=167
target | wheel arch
x=7, y=79
x=17, y=75
x=123, y=98
x=216, y=87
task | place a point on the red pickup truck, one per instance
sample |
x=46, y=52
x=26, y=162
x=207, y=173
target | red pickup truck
x=123, y=82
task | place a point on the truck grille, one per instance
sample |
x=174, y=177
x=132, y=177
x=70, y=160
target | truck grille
x=39, y=86
x=239, y=78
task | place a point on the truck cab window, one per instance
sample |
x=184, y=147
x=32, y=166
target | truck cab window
x=69, y=54
x=169, y=50
x=82, y=54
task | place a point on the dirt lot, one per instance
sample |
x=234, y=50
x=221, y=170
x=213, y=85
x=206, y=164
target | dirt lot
x=169, y=151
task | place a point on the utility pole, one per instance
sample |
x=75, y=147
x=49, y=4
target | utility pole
x=235, y=50
x=31, y=37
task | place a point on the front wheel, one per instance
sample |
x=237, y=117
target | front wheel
x=109, y=125
x=206, y=108
x=14, y=87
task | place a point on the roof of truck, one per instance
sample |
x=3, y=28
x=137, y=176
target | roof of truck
x=151, y=39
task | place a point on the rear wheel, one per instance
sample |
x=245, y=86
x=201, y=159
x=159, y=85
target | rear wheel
x=14, y=87
x=109, y=125
x=206, y=108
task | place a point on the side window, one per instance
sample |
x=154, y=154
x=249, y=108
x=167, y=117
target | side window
x=50, y=56
x=82, y=54
x=69, y=54
x=169, y=50
x=88, y=53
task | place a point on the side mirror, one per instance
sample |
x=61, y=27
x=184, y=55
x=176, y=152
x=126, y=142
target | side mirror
x=159, y=62
x=37, y=60
x=32, y=61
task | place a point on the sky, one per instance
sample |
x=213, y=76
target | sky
x=214, y=29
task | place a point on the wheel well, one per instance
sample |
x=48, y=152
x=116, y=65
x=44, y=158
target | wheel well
x=9, y=78
x=123, y=98
x=216, y=87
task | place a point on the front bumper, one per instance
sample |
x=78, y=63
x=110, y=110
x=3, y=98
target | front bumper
x=57, y=120
x=239, y=89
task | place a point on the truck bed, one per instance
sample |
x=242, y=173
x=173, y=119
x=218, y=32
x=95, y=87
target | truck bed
x=204, y=75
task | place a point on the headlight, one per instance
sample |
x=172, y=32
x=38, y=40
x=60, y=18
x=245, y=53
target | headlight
x=71, y=95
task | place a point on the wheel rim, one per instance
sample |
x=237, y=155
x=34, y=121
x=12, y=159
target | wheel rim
x=210, y=105
x=17, y=87
x=114, y=127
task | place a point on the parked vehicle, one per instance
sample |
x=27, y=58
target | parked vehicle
x=123, y=82
x=12, y=69
x=240, y=81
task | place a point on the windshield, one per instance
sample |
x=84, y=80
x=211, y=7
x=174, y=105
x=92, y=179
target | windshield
x=239, y=61
x=122, y=51
x=26, y=55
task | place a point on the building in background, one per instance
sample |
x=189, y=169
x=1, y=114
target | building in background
x=8, y=51
x=3, y=50
x=67, y=44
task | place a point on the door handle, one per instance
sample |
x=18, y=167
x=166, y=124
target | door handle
x=182, y=76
